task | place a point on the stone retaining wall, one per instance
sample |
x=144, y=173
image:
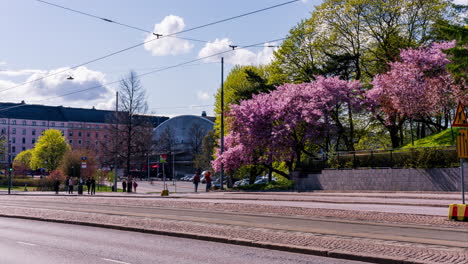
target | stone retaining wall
x=435, y=179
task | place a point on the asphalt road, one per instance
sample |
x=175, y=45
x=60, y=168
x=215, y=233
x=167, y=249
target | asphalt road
x=26, y=242
x=394, y=232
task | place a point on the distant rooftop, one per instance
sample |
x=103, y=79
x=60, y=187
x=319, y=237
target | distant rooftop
x=60, y=113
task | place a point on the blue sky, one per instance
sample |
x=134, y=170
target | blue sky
x=39, y=39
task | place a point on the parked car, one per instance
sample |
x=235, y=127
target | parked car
x=242, y=182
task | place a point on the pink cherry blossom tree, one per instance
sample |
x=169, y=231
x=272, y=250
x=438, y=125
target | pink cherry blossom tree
x=278, y=126
x=417, y=87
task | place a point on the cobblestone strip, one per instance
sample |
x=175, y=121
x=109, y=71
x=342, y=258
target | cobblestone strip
x=380, y=251
x=395, y=218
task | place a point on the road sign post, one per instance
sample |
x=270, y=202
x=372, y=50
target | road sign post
x=460, y=120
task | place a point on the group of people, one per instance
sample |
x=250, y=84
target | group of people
x=196, y=180
x=127, y=187
x=70, y=182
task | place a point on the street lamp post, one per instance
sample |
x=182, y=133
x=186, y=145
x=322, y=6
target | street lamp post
x=221, y=173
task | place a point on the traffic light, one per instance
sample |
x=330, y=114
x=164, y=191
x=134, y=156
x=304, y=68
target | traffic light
x=11, y=167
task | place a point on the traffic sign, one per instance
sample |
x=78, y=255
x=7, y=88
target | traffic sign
x=163, y=158
x=462, y=144
x=460, y=117
x=83, y=158
x=83, y=165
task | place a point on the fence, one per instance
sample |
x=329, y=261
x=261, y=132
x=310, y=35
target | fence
x=431, y=157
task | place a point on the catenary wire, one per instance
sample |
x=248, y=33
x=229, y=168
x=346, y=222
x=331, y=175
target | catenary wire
x=120, y=23
x=142, y=43
x=143, y=74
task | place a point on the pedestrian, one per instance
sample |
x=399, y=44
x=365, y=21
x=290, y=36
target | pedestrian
x=129, y=186
x=70, y=186
x=88, y=184
x=208, y=181
x=56, y=186
x=124, y=186
x=92, y=183
x=66, y=184
x=135, y=184
x=196, y=180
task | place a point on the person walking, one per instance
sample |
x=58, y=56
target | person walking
x=70, y=186
x=129, y=186
x=208, y=181
x=92, y=183
x=56, y=186
x=88, y=184
x=66, y=184
x=124, y=186
x=135, y=184
x=196, y=180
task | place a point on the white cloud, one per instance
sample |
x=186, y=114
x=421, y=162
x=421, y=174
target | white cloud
x=57, y=85
x=460, y=2
x=238, y=56
x=2, y=63
x=19, y=72
x=204, y=96
x=168, y=45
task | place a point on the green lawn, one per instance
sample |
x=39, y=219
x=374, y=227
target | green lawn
x=443, y=138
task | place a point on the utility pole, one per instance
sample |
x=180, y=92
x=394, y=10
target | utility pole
x=9, y=156
x=116, y=138
x=221, y=173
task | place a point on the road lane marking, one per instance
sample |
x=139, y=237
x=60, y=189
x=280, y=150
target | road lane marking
x=25, y=243
x=115, y=261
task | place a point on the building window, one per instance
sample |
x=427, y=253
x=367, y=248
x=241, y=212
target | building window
x=13, y=140
x=33, y=140
x=33, y=123
x=87, y=142
x=24, y=131
x=97, y=135
x=70, y=134
x=79, y=134
x=79, y=142
x=13, y=122
x=88, y=126
x=105, y=136
x=63, y=133
x=96, y=143
x=3, y=131
x=13, y=131
x=97, y=126
x=24, y=123
x=80, y=126
x=33, y=132
x=24, y=140
x=71, y=125
x=13, y=149
x=53, y=124
x=23, y=148
x=43, y=123
x=88, y=134
x=62, y=124
x=70, y=141
x=3, y=121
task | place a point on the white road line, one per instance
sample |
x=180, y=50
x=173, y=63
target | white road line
x=115, y=261
x=27, y=244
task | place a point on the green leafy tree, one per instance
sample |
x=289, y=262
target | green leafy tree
x=49, y=150
x=22, y=162
x=203, y=159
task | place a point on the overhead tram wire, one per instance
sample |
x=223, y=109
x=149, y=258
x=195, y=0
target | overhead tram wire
x=143, y=43
x=124, y=24
x=144, y=74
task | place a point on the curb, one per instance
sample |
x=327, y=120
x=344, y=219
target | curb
x=241, y=242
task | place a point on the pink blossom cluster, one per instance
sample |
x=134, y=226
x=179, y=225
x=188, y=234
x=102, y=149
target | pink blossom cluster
x=277, y=126
x=417, y=86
